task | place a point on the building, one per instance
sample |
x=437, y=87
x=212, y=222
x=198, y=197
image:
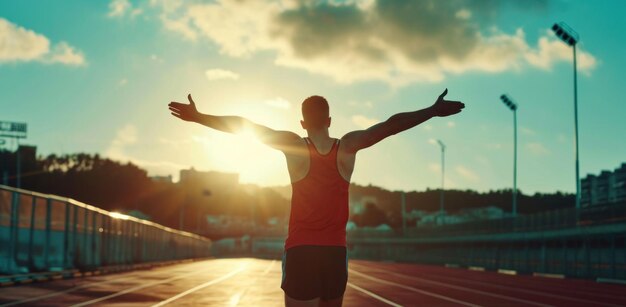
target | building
x=210, y=181
x=164, y=179
x=606, y=188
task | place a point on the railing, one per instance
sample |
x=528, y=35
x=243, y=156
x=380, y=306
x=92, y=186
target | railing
x=548, y=220
x=40, y=232
x=544, y=221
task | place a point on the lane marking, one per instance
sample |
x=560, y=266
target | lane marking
x=581, y=300
x=524, y=290
x=374, y=295
x=137, y=288
x=88, y=285
x=57, y=293
x=472, y=290
x=204, y=285
x=236, y=298
x=611, y=280
x=443, y=297
x=507, y=272
x=549, y=275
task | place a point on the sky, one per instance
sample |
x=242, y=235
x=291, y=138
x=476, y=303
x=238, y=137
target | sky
x=96, y=77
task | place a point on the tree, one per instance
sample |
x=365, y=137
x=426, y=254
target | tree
x=371, y=216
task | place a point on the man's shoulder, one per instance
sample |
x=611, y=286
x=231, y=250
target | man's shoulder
x=296, y=148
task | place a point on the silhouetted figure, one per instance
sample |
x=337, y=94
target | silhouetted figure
x=315, y=269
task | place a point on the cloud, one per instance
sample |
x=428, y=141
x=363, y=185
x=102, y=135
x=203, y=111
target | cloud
x=127, y=136
x=18, y=44
x=221, y=74
x=527, y=131
x=463, y=14
x=550, y=50
x=180, y=26
x=156, y=58
x=427, y=127
x=364, y=122
x=119, y=8
x=397, y=42
x=451, y=124
x=434, y=167
x=537, y=149
x=279, y=103
x=361, y=104
x=175, y=142
x=466, y=173
x=123, y=82
x=65, y=54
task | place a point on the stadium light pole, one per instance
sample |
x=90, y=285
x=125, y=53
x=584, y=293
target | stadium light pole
x=571, y=38
x=441, y=200
x=513, y=106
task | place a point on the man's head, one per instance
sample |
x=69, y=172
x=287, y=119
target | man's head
x=315, y=113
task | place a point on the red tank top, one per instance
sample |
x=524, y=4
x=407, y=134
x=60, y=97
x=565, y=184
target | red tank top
x=319, y=203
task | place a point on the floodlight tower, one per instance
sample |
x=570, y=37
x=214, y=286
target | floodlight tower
x=441, y=202
x=513, y=107
x=571, y=38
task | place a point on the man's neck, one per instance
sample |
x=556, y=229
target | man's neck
x=318, y=134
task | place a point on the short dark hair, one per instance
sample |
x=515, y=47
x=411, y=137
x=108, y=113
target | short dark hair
x=315, y=111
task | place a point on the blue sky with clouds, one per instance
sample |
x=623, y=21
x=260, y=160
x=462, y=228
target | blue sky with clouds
x=96, y=76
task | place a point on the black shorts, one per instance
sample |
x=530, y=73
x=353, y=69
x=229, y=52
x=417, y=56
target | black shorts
x=315, y=271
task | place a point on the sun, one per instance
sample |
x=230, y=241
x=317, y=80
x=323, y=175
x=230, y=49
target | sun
x=243, y=153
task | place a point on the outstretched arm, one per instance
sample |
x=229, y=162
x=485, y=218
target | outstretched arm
x=233, y=124
x=360, y=139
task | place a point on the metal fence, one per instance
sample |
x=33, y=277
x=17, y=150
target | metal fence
x=40, y=232
x=543, y=221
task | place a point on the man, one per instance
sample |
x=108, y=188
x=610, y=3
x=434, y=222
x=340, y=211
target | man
x=315, y=269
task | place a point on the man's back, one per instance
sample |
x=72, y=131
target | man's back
x=298, y=157
x=319, y=202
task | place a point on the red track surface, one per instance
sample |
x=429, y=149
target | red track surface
x=255, y=282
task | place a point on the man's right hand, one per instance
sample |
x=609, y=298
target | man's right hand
x=187, y=112
x=444, y=107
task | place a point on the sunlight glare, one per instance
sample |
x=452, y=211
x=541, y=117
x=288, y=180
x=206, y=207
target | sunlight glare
x=234, y=299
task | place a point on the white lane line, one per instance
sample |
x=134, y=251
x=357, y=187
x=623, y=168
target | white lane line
x=518, y=289
x=471, y=290
x=57, y=293
x=88, y=285
x=374, y=295
x=443, y=297
x=204, y=285
x=236, y=298
x=137, y=288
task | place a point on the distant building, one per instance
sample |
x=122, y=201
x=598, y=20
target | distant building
x=165, y=179
x=606, y=188
x=210, y=181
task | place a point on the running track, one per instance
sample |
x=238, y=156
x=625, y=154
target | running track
x=256, y=282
